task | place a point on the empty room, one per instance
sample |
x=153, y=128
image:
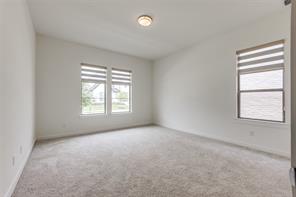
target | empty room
x=158, y=98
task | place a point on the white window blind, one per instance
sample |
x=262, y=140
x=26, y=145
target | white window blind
x=121, y=76
x=93, y=73
x=260, y=73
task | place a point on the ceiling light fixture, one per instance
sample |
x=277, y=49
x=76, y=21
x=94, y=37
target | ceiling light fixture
x=145, y=20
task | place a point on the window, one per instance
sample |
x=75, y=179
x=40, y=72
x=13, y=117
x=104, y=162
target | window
x=121, y=90
x=93, y=89
x=260, y=74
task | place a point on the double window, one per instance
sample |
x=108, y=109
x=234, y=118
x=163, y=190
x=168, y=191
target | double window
x=260, y=74
x=94, y=88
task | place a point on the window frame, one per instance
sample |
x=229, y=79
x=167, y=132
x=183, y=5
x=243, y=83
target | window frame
x=130, y=91
x=259, y=70
x=97, y=82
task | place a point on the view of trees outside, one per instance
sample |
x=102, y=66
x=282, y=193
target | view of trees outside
x=120, y=98
x=93, y=98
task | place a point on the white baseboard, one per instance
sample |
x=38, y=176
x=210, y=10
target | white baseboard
x=218, y=138
x=247, y=145
x=19, y=172
x=237, y=143
x=73, y=134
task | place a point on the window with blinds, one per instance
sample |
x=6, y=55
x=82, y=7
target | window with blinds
x=260, y=74
x=121, y=90
x=93, y=89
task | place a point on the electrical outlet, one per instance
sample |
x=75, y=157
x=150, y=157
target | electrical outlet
x=252, y=133
x=21, y=149
x=13, y=161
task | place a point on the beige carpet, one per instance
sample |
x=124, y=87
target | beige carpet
x=150, y=162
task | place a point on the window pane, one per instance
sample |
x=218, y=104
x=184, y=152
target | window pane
x=262, y=105
x=120, y=98
x=93, y=98
x=262, y=80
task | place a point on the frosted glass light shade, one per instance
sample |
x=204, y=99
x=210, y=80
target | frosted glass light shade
x=145, y=20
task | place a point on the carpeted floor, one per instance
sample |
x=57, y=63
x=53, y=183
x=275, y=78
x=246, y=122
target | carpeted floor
x=150, y=162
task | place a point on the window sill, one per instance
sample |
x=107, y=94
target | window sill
x=262, y=123
x=92, y=115
x=105, y=114
x=120, y=113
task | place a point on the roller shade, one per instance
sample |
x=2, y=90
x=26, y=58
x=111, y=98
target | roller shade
x=93, y=73
x=262, y=57
x=121, y=76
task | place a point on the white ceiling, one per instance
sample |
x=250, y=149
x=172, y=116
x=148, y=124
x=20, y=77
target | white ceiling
x=111, y=24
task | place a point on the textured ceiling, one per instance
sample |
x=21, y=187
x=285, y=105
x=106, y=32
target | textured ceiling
x=111, y=24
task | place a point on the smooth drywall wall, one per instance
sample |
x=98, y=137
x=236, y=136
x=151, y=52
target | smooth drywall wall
x=195, y=89
x=58, y=89
x=17, y=91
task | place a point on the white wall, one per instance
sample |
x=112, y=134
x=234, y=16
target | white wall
x=1, y=101
x=17, y=90
x=59, y=89
x=195, y=89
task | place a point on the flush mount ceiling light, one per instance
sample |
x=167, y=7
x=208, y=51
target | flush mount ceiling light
x=145, y=20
